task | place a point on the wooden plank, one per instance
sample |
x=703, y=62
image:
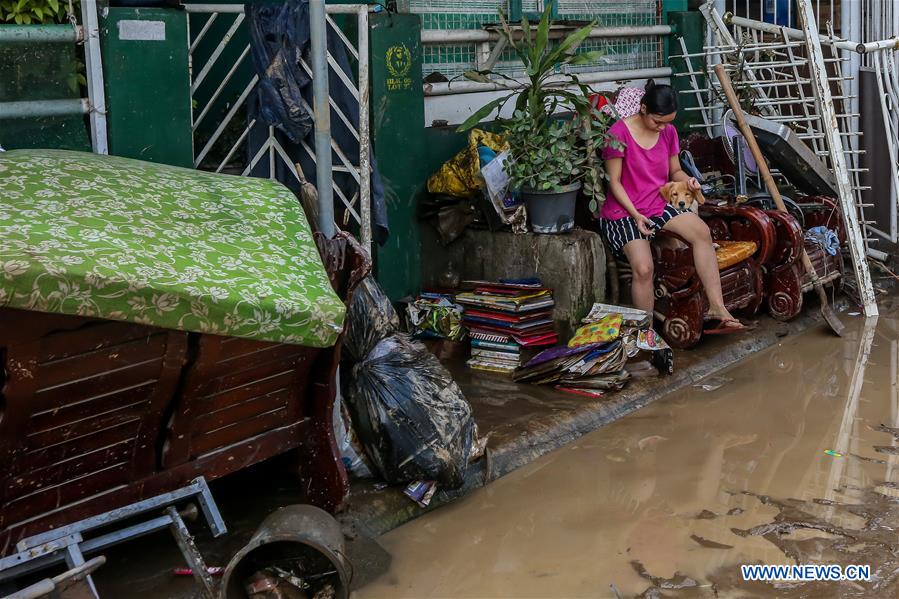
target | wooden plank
x=245, y=393
x=243, y=377
x=236, y=347
x=92, y=407
x=93, y=363
x=72, y=431
x=87, y=389
x=91, y=337
x=75, y=447
x=212, y=465
x=234, y=414
x=258, y=358
x=45, y=500
x=55, y=474
x=239, y=432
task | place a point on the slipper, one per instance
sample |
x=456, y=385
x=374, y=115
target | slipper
x=726, y=326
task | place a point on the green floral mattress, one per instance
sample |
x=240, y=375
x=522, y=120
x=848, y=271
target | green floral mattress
x=115, y=238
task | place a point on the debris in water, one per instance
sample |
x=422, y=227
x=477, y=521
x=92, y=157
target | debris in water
x=864, y=459
x=650, y=440
x=735, y=511
x=326, y=592
x=887, y=491
x=710, y=544
x=854, y=313
x=706, y=515
x=882, y=428
x=421, y=492
x=712, y=383
x=887, y=449
x=211, y=570
x=833, y=453
x=678, y=581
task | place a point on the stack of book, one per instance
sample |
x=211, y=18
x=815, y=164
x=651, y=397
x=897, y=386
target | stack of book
x=585, y=370
x=505, y=319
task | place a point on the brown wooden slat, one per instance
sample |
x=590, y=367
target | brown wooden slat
x=83, y=409
x=242, y=394
x=233, y=434
x=81, y=445
x=96, y=362
x=242, y=411
x=81, y=428
x=243, y=377
x=90, y=338
x=43, y=501
x=235, y=347
x=248, y=361
x=101, y=384
x=55, y=474
x=211, y=466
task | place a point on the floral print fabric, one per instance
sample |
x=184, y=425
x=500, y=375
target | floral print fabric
x=115, y=238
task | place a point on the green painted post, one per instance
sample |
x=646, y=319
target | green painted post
x=689, y=25
x=398, y=133
x=668, y=7
x=147, y=84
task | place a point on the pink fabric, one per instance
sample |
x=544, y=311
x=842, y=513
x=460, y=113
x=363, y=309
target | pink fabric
x=643, y=172
x=627, y=104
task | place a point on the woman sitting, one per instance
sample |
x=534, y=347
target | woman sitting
x=635, y=209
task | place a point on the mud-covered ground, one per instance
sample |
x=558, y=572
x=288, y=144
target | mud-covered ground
x=790, y=458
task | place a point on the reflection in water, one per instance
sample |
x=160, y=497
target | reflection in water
x=679, y=494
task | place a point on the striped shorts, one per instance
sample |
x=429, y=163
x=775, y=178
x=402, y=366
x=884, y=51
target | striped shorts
x=619, y=232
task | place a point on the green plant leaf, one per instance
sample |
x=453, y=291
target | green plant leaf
x=520, y=48
x=566, y=47
x=542, y=35
x=483, y=113
x=585, y=57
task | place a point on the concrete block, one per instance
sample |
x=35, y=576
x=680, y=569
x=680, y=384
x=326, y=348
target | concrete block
x=572, y=264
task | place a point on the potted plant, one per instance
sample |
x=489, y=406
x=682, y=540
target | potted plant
x=551, y=158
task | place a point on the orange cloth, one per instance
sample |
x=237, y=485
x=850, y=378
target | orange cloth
x=734, y=252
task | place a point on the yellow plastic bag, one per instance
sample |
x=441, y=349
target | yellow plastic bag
x=459, y=175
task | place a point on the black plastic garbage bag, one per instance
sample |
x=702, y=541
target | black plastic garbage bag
x=371, y=318
x=410, y=415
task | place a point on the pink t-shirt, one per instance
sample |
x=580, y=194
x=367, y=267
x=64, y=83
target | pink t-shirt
x=643, y=172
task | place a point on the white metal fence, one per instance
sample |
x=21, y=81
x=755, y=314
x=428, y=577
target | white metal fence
x=225, y=146
x=797, y=77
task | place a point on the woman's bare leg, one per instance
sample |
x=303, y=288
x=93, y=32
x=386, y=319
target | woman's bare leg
x=697, y=234
x=640, y=258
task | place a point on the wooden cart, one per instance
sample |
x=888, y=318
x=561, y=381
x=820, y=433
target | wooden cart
x=158, y=324
x=98, y=414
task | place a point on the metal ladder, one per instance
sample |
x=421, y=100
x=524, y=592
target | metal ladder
x=780, y=65
x=70, y=543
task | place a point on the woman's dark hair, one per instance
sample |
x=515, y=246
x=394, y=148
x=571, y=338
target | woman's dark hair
x=659, y=99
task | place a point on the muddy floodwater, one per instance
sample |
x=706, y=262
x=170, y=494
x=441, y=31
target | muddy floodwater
x=790, y=457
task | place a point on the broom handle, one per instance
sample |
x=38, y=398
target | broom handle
x=731, y=95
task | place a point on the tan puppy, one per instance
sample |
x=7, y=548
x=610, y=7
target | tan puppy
x=681, y=197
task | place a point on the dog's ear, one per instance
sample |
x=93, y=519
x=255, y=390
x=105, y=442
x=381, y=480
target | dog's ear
x=666, y=190
x=697, y=195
